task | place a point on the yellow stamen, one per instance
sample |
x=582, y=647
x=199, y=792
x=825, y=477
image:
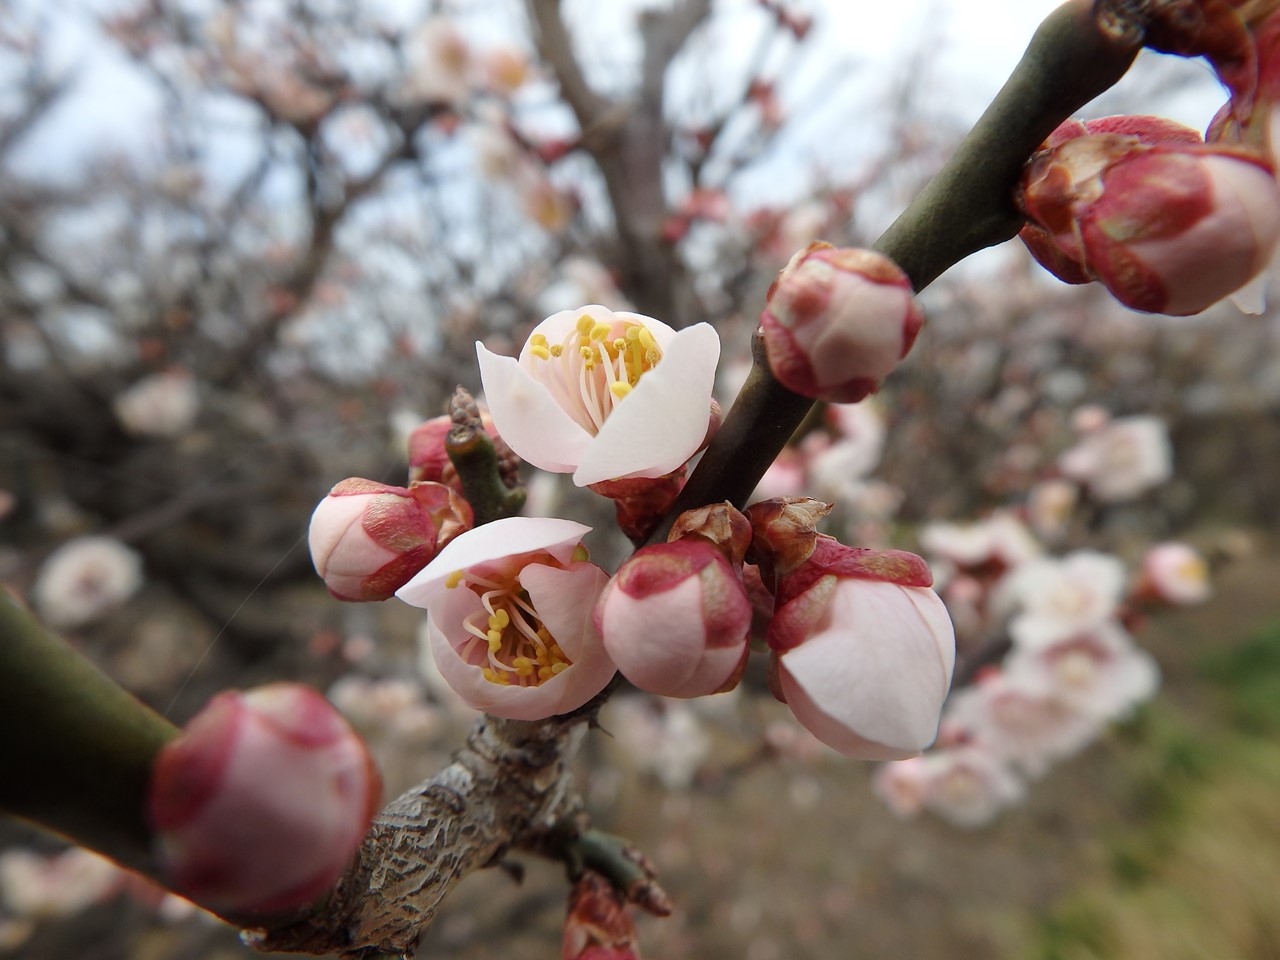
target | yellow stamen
x=585, y=325
x=619, y=388
x=453, y=579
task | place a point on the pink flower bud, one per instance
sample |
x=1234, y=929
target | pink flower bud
x=1166, y=223
x=368, y=538
x=838, y=321
x=262, y=800
x=863, y=650
x=1174, y=573
x=675, y=619
x=428, y=457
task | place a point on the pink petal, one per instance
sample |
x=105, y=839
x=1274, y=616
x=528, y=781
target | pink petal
x=664, y=420
x=527, y=415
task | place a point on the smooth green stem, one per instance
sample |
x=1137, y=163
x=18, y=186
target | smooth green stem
x=76, y=749
x=968, y=206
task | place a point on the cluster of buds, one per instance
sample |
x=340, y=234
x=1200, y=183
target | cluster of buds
x=522, y=625
x=1167, y=223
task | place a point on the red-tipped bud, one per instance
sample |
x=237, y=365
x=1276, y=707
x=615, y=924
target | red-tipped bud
x=598, y=925
x=1166, y=223
x=428, y=456
x=863, y=650
x=368, y=539
x=675, y=619
x=838, y=321
x=262, y=800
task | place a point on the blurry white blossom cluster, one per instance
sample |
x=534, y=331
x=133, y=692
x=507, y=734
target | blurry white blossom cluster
x=1072, y=666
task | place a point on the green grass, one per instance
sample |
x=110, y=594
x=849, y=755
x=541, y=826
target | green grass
x=1194, y=874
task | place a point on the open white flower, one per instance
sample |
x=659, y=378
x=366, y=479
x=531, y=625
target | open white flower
x=604, y=395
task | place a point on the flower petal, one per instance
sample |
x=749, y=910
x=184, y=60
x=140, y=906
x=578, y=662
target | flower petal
x=664, y=420
x=508, y=537
x=527, y=415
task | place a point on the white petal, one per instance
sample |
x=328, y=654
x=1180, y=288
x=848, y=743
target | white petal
x=663, y=421
x=508, y=537
x=528, y=417
x=878, y=673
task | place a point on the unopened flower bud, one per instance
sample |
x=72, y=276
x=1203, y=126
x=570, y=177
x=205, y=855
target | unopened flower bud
x=1167, y=223
x=863, y=650
x=262, y=800
x=837, y=321
x=1174, y=573
x=675, y=619
x=368, y=539
x=599, y=925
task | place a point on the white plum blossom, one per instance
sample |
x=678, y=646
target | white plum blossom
x=1021, y=719
x=966, y=786
x=604, y=395
x=1062, y=597
x=1121, y=459
x=509, y=607
x=1000, y=540
x=1100, y=672
x=160, y=405
x=84, y=579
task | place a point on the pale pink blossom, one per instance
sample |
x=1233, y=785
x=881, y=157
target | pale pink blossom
x=675, y=619
x=604, y=395
x=1122, y=459
x=837, y=321
x=1060, y=597
x=1100, y=672
x=509, y=607
x=966, y=786
x=1000, y=542
x=1020, y=718
x=56, y=885
x=159, y=405
x=439, y=61
x=1050, y=505
x=863, y=651
x=1175, y=573
x=368, y=538
x=84, y=579
x=262, y=800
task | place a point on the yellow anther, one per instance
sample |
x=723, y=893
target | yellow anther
x=651, y=358
x=556, y=651
x=588, y=353
x=559, y=667
x=540, y=351
x=489, y=674
x=646, y=339
x=580, y=555
x=545, y=673
x=585, y=325
x=454, y=579
x=619, y=388
x=600, y=332
x=556, y=349
x=538, y=340
x=632, y=333
x=500, y=619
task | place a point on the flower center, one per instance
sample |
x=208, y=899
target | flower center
x=507, y=636
x=593, y=369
